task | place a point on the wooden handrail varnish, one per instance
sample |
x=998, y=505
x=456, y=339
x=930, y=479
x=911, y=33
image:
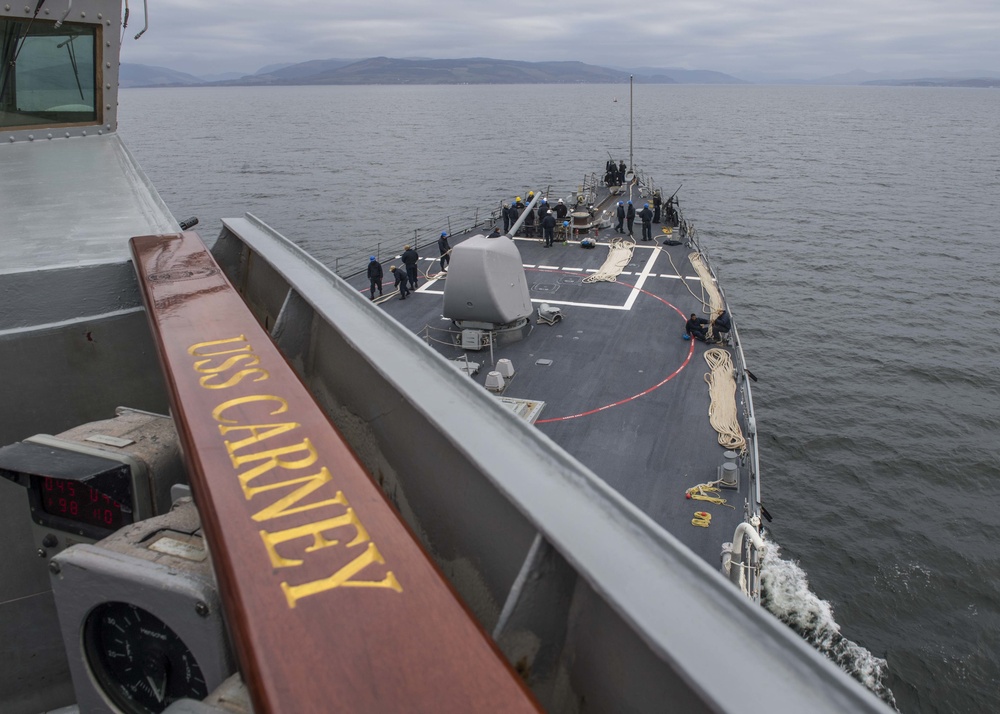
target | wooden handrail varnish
x=332, y=603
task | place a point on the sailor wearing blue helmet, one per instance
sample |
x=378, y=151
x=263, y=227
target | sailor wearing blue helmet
x=630, y=216
x=620, y=213
x=646, y=215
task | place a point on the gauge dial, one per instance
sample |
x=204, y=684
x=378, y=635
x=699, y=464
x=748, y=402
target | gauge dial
x=140, y=663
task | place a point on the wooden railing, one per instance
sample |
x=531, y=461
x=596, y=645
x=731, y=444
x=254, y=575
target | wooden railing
x=332, y=604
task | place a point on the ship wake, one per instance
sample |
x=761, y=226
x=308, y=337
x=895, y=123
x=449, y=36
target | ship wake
x=785, y=593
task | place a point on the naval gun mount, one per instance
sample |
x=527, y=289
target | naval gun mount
x=486, y=293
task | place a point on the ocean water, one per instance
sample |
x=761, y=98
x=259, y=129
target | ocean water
x=856, y=234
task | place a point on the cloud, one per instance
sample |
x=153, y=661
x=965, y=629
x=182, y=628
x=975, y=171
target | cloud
x=777, y=36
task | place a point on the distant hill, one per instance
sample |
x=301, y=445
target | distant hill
x=936, y=82
x=686, y=76
x=144, y=75
x=420, y=70
x=477, y=70
x=302, y=70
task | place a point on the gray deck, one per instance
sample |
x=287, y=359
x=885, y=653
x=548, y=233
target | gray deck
x=624, y=393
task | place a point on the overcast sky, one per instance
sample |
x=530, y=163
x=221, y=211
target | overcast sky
x=745, y=38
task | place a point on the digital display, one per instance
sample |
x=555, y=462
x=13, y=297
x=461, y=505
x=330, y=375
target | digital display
x=78, y=502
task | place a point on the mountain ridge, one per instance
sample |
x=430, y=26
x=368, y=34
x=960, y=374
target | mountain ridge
x=484, y=70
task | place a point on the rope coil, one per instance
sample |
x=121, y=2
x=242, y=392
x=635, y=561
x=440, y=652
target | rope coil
x=704, y=491
x=722, y=409
x=619, y=256
x=701, y=519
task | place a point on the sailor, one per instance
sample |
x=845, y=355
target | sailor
x=495, y=233
x=620, y=212
x=445, y=250
x=721, y=326
x=508, y=217
x=671, y=217
x=410, y=258
x=657, y=204
x=401, y=281
x=374, y=276
x=548, y=227
x=646, y=216
x=561, y=210
x=621, y=171
x=630, y=216
x=529, y=223
x=695, y=327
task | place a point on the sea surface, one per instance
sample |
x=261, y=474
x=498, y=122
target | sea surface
x=856, y=231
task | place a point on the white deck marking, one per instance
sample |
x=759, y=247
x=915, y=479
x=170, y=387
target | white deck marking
x=647, y=271
x=550, y=302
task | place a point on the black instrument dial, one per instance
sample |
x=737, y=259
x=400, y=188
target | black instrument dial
x=139, y=662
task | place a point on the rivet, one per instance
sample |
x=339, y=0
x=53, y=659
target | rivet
x=31, y=137
x=54, y=568
x=84, y=132
x=41, y=553
x=27, y=9
x=100, y=15
x=108, y=65
x=107, y=108
x=46, y=11
x=99, y=132
x=107, y=44
x=48, y=136
x=83, y=14
x=12, y=139
x=67, y=134
x=201, y=608
x=107, y=86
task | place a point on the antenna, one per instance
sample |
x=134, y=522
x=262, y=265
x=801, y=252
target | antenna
x=630, y=164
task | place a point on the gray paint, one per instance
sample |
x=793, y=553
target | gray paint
x=486, y=282
x=478, y=484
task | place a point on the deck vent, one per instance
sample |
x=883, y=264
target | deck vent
x=494, y=381
x=506, y=368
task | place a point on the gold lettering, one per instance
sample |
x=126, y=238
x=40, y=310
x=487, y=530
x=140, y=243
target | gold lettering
x=258, y=432
x=271, y=461
x=250, y=359
x=217, y=412
x=281, y=507
x=272, y=540
x=294, y=593
x=195, y=350
x=235, y=379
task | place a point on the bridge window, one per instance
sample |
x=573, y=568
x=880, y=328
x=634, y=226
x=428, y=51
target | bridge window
x=48, y=76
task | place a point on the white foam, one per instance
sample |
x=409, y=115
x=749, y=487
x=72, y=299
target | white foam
x=785, y=593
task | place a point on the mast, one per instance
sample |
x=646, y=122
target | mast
x=630, y=164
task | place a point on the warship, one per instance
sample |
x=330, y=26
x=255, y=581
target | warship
x=235, y=479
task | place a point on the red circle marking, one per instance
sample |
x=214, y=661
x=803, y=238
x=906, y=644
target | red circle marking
x=643, y=393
